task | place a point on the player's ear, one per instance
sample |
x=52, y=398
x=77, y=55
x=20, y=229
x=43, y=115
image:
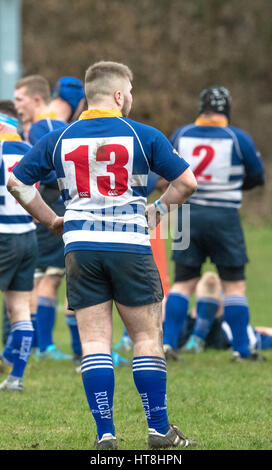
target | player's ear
x=119, y=98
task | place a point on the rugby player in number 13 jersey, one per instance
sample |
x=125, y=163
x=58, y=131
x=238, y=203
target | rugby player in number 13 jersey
x=102, y=163
x=225, y=162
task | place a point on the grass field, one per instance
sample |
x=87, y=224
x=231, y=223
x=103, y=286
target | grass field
x=220, y=404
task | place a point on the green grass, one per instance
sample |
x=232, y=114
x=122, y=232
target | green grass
x=220, y=404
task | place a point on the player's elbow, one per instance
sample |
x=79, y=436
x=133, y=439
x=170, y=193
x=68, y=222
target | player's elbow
x=11, y=183
x=23, y=193
x=189, y=182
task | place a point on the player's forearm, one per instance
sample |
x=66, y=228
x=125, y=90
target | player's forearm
x=179, y=190
x=40, y=210
x=31, y=201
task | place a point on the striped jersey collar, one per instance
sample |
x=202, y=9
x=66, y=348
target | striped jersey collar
x=100, y=113
x=11, y=137
x=51, y=115
x=219, y=122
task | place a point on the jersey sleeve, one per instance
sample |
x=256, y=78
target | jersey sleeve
x=151, y=182
x=37, y=163
x=166, y=161
x=251, y=157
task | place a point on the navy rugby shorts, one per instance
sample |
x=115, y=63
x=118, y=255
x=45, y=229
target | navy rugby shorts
x=50, y=246
x=215, y=233
x=94, y=277
x=18, y=256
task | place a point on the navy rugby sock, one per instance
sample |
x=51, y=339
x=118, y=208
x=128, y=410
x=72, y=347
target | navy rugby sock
x=236, y=314
x=98, y=380
x=34, y=324
x=206, y=309
x=46, y=313
x=176, y=309
x=7, y=354
x=149, y=373
x=21, y=346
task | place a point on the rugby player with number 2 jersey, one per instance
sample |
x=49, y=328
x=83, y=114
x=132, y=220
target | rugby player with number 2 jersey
x=225, y=162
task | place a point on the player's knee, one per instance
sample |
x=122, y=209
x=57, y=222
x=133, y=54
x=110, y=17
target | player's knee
x=209, y=285
x=55, y=279
x=234, y=288
x=148, y=342
x=185, y=288
x=49, y=285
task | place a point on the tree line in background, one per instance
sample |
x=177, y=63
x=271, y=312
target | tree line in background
x=175, y=49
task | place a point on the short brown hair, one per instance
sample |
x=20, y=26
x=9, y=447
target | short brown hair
x=102, y=77
x=7, y=107
x=35, y=85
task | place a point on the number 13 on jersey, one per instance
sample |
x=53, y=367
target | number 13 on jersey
x=96, y=167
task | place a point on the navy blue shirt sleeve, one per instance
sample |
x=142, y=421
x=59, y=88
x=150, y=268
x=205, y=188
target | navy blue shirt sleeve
x=166, y=161
x=251, y=157
x=151, y=182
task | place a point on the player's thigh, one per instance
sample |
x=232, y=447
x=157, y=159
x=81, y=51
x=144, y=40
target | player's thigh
x=95, y=327
x=186, y=278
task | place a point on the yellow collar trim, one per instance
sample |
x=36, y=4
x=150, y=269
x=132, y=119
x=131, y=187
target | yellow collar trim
x=220, y=122
x=99, y=113
x=11, y=137
x=46, y=116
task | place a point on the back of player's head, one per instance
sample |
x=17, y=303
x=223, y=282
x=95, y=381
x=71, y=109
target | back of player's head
x=103, y=78
x=7, y=107
x=70, y=89
x=215, y=99
x=35, y=85
x=8, y=114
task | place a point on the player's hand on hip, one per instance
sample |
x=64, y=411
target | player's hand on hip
x=153, y=216
x=57, y=226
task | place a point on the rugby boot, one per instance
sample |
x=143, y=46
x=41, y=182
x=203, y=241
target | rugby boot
x=12, y=383
x=107, y=442
x=173, y=438
x=195, y=344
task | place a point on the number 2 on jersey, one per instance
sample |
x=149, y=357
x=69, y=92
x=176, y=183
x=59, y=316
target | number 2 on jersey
x=206, y=160
x=80, y=158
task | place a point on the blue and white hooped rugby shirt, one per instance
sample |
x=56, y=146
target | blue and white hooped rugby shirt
x=13, y=217
x=102, y=163
x=220, y=157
